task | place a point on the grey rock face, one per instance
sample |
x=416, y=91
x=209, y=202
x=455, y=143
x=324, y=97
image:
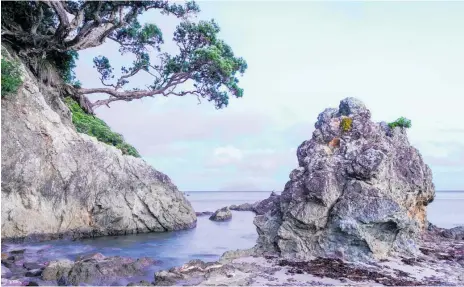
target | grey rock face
x=222, y=214
x=94, y=269
x=6, y=273
x=57, y=269
x=58, y=181
x=265, y=205
x=203, y=213
x=358, y=193
x=259, y=207
x=243, y=207
x=454, y=233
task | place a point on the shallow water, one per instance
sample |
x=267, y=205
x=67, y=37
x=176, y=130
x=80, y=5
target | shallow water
x=447, y=210
x=209, y=240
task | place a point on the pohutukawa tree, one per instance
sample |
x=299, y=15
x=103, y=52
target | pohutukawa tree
x=204, y=66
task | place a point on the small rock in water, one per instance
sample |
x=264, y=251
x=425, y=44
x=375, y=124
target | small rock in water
x=18, y=251
x=94, y=256
x=202, y=213
x=454, y=233
x=222, y=214
x=243, y=207
x=141, y=283
x=32, y=265
x=34, y=273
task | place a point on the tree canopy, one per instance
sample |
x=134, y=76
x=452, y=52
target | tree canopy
x=204, y=65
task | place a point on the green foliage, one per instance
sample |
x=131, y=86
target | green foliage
x=401, y=122
x=94, y=126
x=11, y=77
x=346, y=124
x=66, y=63
x=204, y=59
x=204, y=65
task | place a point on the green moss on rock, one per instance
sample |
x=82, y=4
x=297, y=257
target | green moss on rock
x=401, y=122
x=95, y=127
x=346, y=124
x=11, y=77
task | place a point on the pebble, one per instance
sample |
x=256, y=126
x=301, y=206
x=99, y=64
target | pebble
x=32, y=265
x=34, y=273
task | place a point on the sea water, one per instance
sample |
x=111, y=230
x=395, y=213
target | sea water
x=209, y=240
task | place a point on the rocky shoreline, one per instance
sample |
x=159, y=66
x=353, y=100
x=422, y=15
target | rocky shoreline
x=440, y=263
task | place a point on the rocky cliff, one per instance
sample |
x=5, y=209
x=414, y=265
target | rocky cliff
x=360, y=192
x=56, y=181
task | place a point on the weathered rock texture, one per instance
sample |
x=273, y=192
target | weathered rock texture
x=358, y=193
x=93, y=269
x=55, y=180
x=259, y=207
x=222, y=214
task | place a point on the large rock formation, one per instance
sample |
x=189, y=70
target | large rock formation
x=55, y=180
x=360, y=192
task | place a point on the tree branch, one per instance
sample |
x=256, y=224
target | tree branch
x=63, y=29
x=38, y=22
x=115, y=95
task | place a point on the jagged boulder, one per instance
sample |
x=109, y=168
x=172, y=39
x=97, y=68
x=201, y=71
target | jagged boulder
x=222, y=214
x=94, y=268
x=360, y=191
x=57, y=181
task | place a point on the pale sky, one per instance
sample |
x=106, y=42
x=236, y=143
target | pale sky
x=401, y=59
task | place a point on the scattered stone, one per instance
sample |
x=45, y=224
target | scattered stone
x=222, y=214
x=56, y=269
x=8, y=263
x=18, y=251
x=5, y=256
x=243, y=207
x=34, y=273
x=454, y=233
x=32, y=283
x=337, y=269
x=33, y=265
x=6, y=272
x=8, y=282
x=93, y=256
x=203, y=213
x=98, y=269
x=141, y=283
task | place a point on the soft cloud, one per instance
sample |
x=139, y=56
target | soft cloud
x=223, y=156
